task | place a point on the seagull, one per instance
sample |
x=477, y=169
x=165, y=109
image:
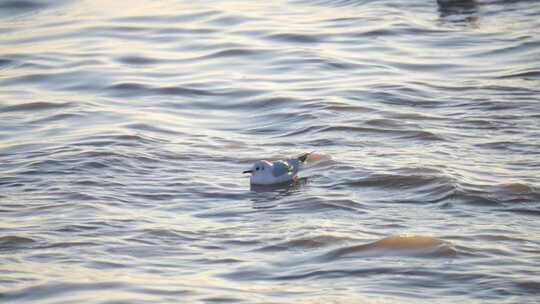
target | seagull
x=264, y=172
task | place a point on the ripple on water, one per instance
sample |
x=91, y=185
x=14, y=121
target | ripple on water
x=295, y=38
x=42, y=291
x=138, y=60
x=315, y=242
x=37, y=106
x=124, y=131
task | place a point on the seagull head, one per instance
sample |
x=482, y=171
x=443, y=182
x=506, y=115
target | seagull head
x=260, y=171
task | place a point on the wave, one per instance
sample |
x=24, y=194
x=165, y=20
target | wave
x=295, y=38
x=333, y=3
x=339, y=250
x=527, y=75
x=144, y=118
x=36, y=106
x=6, y=62
x=305, y=243
x=138, y=60
x=402, y=134
x=398, y=245
x=137, y=89
x=12, y=242
x=233, y=53
x=47, y=290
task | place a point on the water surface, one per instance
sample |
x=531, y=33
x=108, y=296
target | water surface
x=125, y=129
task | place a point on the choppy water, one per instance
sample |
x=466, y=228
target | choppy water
x=125, y=128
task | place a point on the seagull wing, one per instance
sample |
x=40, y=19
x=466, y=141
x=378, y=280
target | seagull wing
x=303, y=157
x=281, y=168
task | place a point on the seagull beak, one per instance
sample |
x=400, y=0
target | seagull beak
x=247, y=171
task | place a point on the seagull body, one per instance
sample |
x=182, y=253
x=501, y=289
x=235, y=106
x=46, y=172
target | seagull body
x=264, y=172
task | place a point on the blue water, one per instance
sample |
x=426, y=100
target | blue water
x=125, y=128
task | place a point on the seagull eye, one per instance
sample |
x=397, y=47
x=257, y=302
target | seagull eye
x=257, y=168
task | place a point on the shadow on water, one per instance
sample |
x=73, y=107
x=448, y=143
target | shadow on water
x=21, y=5
x=458, y=12
x=287, y=186
x=11, y=8
x=267, y=196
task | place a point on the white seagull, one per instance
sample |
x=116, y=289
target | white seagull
x=264, y=172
